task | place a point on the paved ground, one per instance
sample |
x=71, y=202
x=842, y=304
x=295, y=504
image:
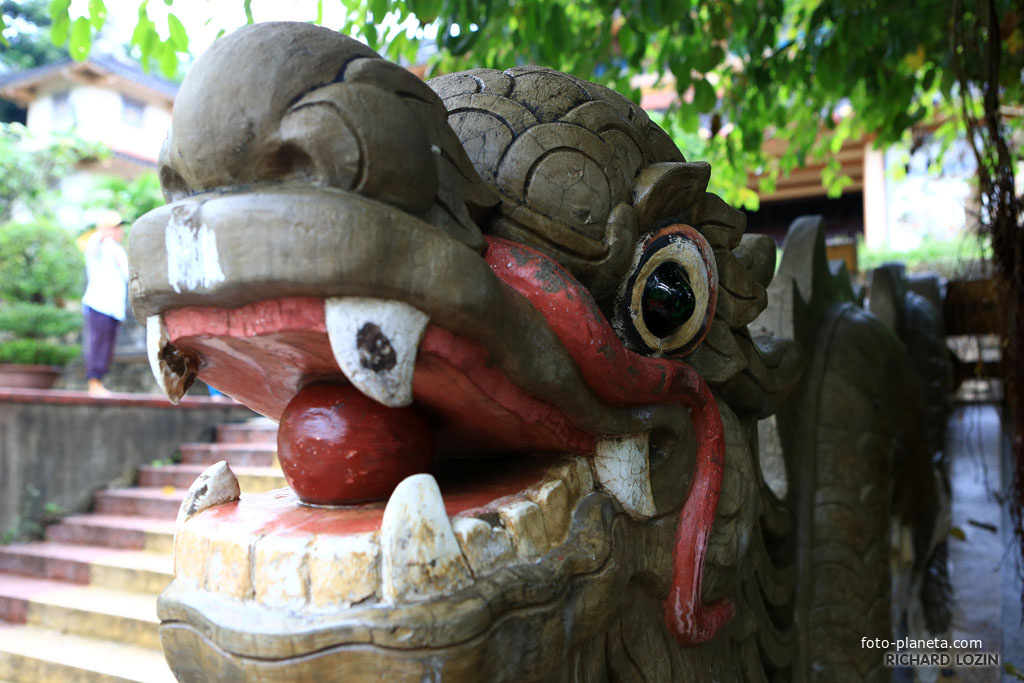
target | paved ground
x=985, y=584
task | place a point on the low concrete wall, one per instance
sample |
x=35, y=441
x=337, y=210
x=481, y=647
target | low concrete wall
x=67, y=444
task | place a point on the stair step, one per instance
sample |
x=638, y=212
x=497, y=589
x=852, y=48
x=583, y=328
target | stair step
x=82, y=605
x=115, y=531
x=237, y=454
x=257, y=431
x=30, y=654
x=250, y=479
x=82, y=610
x=143, y=501
x=131, y=570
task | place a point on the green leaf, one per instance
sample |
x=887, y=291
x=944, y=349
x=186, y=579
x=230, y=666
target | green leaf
x=81, y=39
x=97, y=13
x=556, y=28
x=3, y=25
x=319, y=11
x=370, y=33
x=146, y=38
x=627, y=39
x=683, y=81
x=747, y=198
x=61, y=21
x=836, y=187
x=689, y=120
x=704, y=97
x=752, y=138
x=168, y=60
x=929, y=78
x=58, y=7
x=827, y=70
x=178, y=35
x=379, y=9
x=247, y=6
x=707, y=60
x=652, y=11
x=138, y=33
x=426, y=11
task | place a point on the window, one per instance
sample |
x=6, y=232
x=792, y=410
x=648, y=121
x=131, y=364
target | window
x=63, y=112
x=131, y=111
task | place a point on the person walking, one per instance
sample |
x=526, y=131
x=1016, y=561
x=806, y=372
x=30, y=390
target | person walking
x=104, y=303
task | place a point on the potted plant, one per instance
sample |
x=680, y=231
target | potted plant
x=41, y=268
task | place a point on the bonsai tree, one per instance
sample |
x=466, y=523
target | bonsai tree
x=40, y=269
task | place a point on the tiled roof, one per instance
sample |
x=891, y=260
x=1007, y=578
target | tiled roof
x=116, y=67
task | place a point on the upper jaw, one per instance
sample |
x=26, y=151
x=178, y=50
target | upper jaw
x=292, y=242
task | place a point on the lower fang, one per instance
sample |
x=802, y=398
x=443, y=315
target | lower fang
x=420, y=556
x=622, y=466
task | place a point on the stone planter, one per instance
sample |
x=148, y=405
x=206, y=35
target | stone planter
x=29, y=376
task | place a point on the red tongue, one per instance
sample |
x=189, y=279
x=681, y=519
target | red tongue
x=622, y=377
x=338, y=447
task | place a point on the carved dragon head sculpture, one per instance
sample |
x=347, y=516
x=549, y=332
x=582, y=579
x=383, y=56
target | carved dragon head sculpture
x=516, y=282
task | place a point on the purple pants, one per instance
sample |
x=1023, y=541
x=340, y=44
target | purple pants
x=100, y=336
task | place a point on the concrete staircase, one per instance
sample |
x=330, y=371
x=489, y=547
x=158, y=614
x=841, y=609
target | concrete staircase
x=81, y=605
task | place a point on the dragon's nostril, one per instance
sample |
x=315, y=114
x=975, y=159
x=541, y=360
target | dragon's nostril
x=287, y=162
x=172, y=184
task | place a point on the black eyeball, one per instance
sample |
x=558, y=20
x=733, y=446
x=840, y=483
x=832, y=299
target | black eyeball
x=668, y=302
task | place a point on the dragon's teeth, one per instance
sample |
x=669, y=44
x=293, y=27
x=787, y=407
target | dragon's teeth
x=374, y=342
x=622, y=467
x=486, y=548
x=552, y=497
x=173, y=369
x=577, y=475
x=215, y=486
x=525, y=523
x=420, y=556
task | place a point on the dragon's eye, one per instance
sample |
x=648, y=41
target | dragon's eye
x=670, y=296
x=668, y=299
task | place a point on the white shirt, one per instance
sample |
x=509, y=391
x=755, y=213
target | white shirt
x=106, y=267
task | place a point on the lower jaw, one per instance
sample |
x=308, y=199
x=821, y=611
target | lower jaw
x=274, y=611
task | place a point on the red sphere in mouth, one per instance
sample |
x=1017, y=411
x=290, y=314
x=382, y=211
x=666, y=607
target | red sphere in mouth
x=338, y=447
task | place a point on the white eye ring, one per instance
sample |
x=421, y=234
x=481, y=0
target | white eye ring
x=682, y=245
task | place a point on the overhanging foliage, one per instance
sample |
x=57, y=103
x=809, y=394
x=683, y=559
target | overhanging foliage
x=811, y=73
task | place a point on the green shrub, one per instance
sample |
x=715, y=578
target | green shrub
x=38, y=321
x=39, y=263
x=40, y=268
x=37, y=352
